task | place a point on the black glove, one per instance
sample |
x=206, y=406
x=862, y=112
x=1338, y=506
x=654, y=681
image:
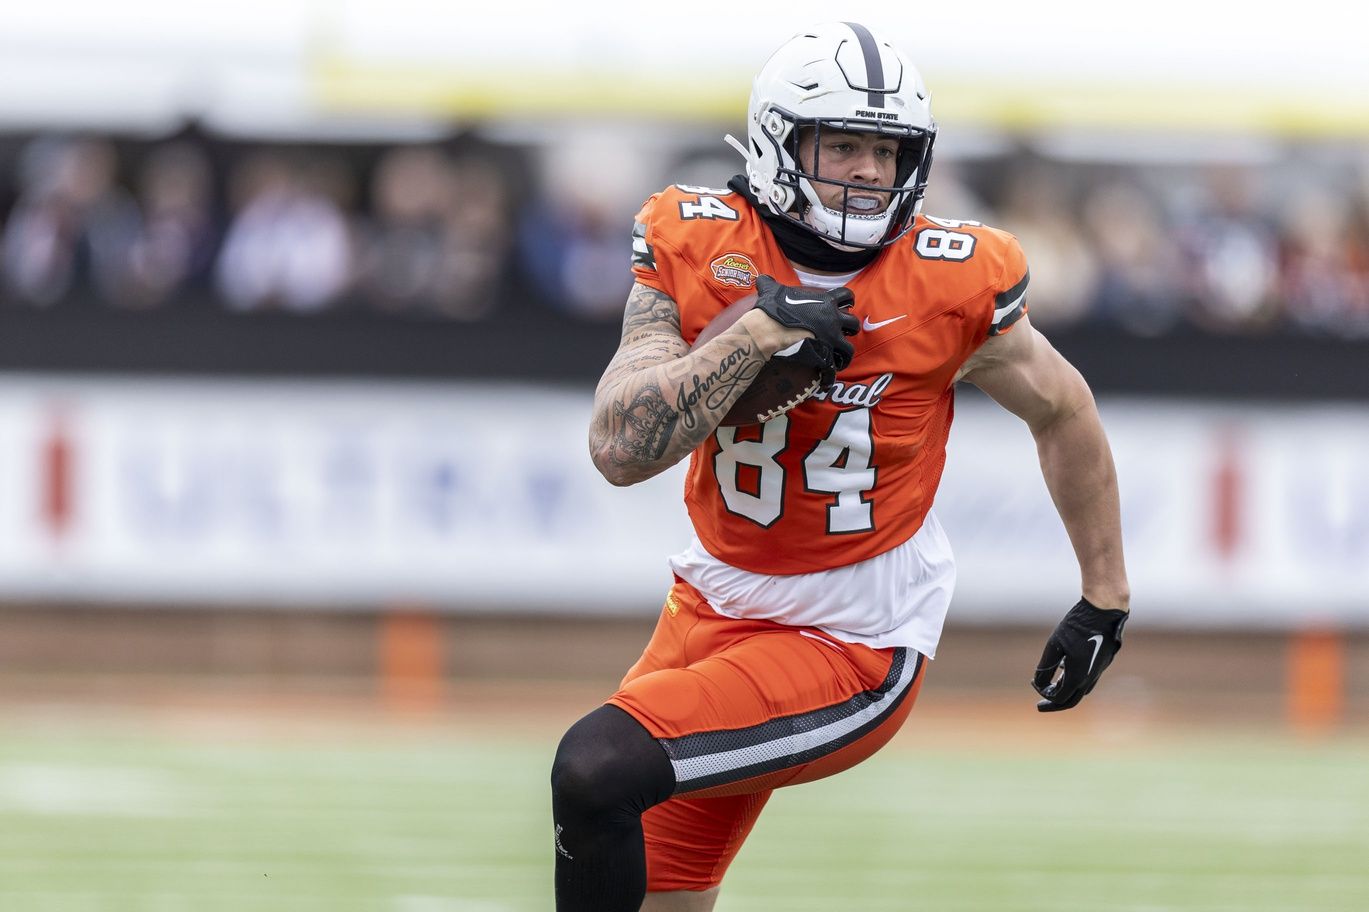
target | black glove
x=1082, y=646
x=826, y=314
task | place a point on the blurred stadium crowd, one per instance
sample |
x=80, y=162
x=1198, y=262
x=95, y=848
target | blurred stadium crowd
x=457, y=229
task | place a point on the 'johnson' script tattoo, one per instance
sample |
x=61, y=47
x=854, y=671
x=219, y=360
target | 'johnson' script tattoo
x=657, y=401
x=737, y=369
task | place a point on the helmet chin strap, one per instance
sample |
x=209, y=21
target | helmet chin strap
x=836, y=226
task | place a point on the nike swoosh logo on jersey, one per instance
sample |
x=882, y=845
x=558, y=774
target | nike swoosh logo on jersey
x=790, y=300
x=869, y=326
x=1097, y=641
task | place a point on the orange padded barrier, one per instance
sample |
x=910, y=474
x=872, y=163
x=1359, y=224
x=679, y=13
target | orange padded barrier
x=1316, y=680
x=410, y=660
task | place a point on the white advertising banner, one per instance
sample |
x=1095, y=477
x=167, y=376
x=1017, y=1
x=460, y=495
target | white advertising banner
x=1231, y=514
x=467, y=496
x=481, y=496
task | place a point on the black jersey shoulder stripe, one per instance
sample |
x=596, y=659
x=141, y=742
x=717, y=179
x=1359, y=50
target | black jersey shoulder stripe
x=1009, y=306
x=642, y=253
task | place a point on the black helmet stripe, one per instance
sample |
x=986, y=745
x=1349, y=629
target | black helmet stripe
x=874, y=65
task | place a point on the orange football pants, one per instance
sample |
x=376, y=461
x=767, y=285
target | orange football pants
x=744, y=707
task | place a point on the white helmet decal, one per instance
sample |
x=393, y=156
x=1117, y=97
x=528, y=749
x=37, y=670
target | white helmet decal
x=838, y=76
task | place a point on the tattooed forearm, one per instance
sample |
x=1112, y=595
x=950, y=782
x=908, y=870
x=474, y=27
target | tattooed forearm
x=658, y=400
x=714, y=389
x=642, y=428
x=630, y=361
x=648, y=307
x=655, y=418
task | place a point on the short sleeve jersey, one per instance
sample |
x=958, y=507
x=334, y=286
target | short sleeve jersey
x=851, y=472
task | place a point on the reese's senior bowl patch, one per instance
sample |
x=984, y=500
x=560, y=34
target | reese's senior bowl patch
x=734, y=269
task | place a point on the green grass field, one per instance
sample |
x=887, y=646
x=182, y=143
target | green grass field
x=405, y=821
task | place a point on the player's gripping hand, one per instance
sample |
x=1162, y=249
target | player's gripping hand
x=1081, y=649
x=825, y=314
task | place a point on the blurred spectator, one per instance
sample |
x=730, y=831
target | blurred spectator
x=478, y=238
x=949, y=196
x=70, y=229
x=439, y=236
x=1233, y=267
x=1323, y=287
x=1357, y=247
x=575, y=240
x=289, y=245
x=702, y=169
x=38, y=248
x=173, y=247
x=411, y=193
x=1037, y=208
x=1137, y=284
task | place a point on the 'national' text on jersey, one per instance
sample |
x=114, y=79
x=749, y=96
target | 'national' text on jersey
x=858, y=394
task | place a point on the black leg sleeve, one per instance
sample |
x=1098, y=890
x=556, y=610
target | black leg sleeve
x=608, y=770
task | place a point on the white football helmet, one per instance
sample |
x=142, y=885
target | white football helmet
x=838, y=76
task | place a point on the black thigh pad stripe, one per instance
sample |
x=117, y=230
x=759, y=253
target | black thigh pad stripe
x=705, y=759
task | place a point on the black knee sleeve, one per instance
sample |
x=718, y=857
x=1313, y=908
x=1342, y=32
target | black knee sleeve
x=608, y=770
x=609, y=765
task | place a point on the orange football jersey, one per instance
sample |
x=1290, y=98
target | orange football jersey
x=851, y=472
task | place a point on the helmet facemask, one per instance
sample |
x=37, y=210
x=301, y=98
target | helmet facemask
x=847, y=226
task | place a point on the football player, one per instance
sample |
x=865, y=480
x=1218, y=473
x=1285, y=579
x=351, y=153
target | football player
x=794, y=640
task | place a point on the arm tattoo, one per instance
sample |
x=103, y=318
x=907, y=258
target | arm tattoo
x=736, y=370
x=656, y=403
x=650, y=427
x=642, y=428
x=647, y=356
x=651, y=335
x=648, y=307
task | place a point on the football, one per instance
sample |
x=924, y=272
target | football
x=781, y=384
